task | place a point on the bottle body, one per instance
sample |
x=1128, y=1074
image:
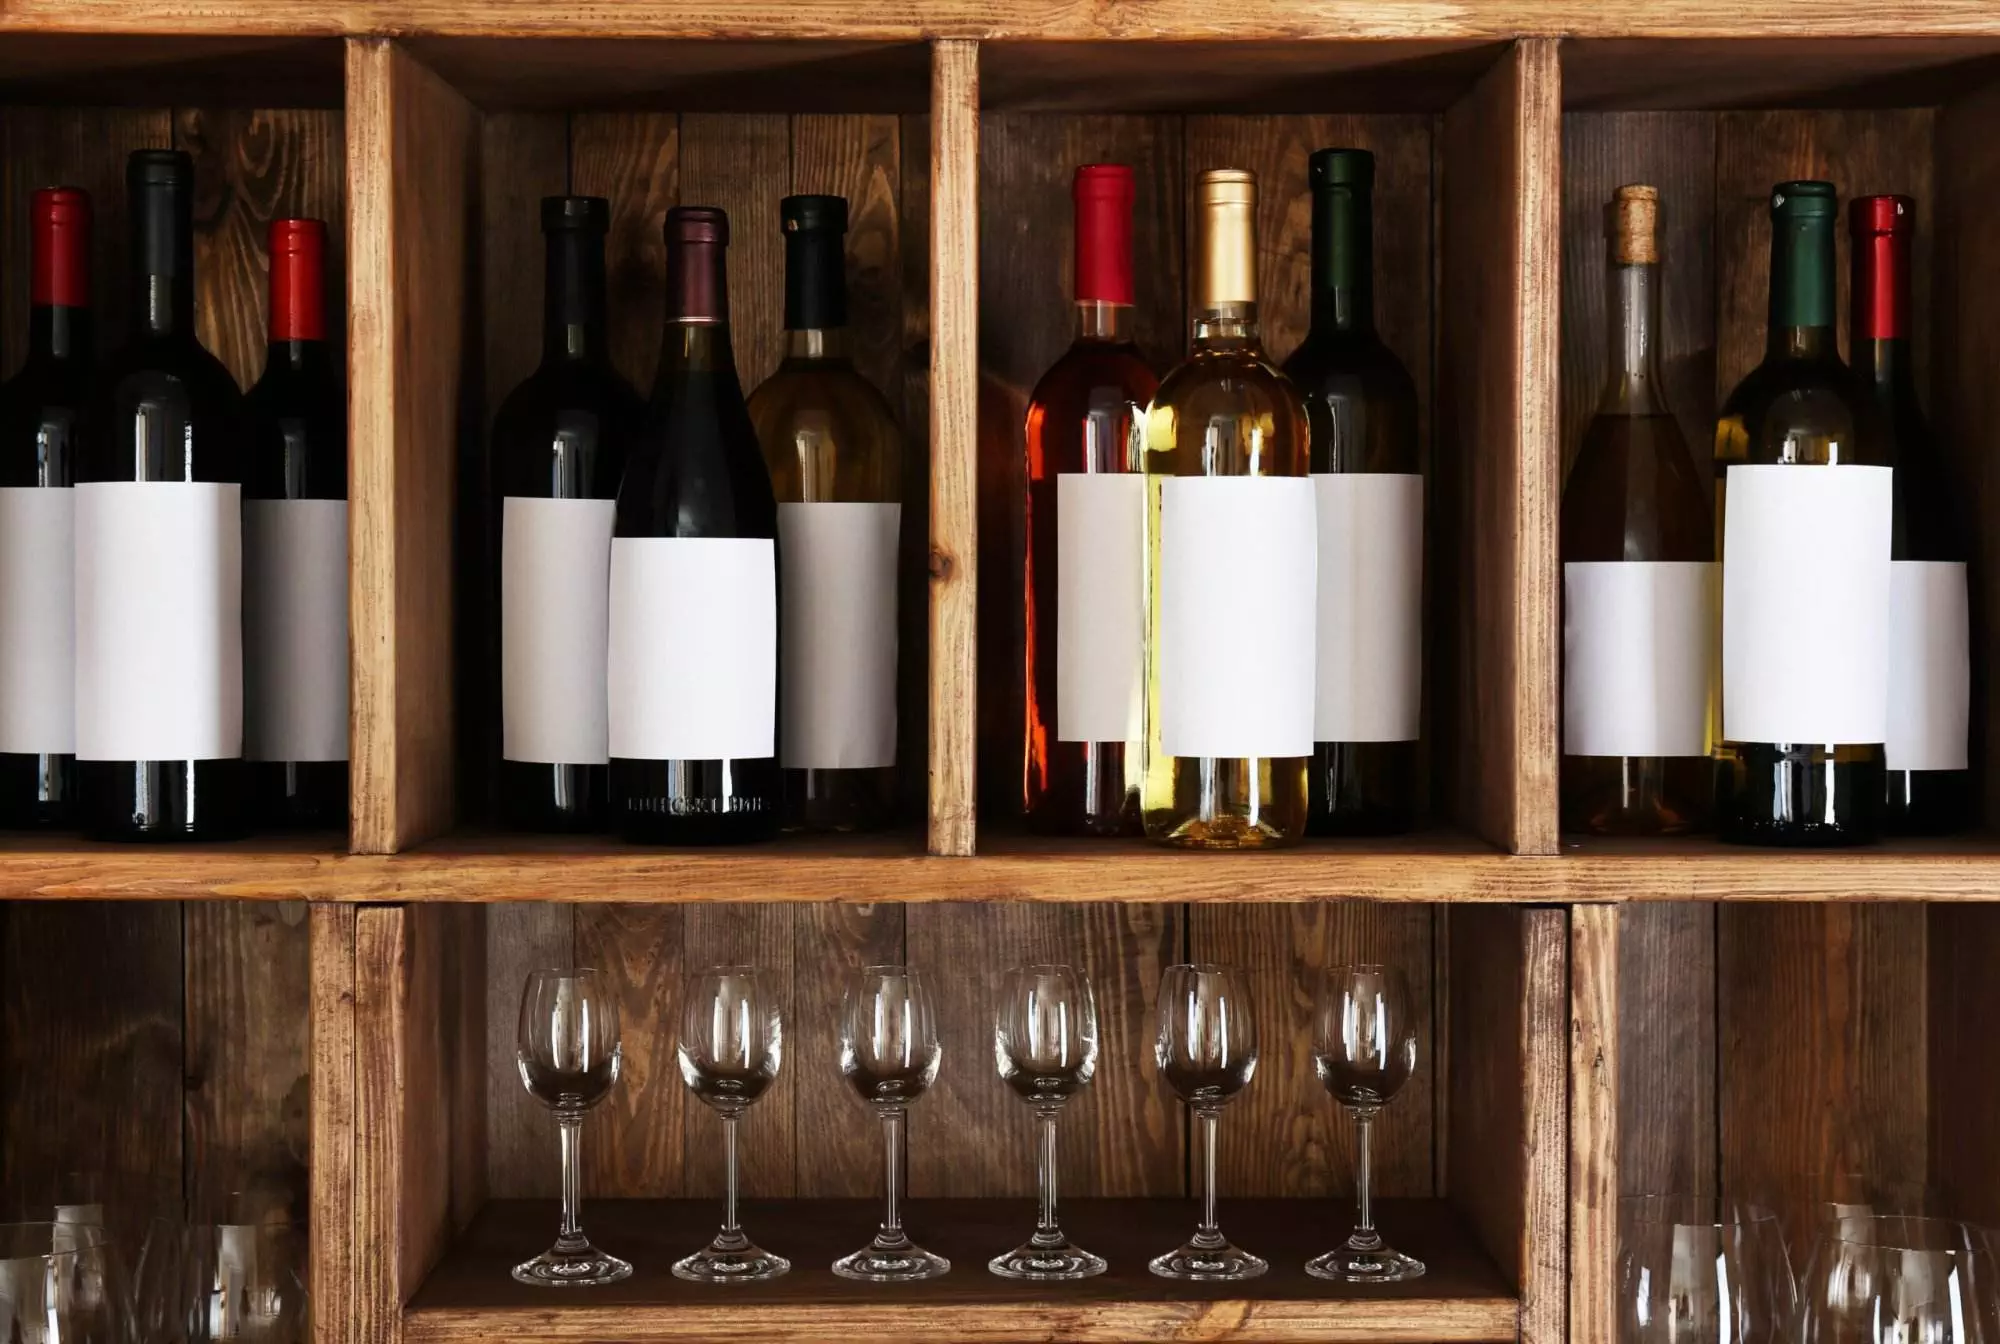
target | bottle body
x=692, y=659
x=159, y=553
x=834, y=454
x=295, y=552
x=1801, y=412
x=1085, y=580
x=1636, y=533
x=44, y=410
x=1230, y=541
x=1927, y=779
x=1361, y=405
x=560, y=443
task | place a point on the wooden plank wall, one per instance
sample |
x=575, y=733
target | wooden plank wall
x=184, y=1026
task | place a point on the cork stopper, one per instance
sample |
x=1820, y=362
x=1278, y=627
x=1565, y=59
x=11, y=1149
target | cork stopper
x=1635, y=226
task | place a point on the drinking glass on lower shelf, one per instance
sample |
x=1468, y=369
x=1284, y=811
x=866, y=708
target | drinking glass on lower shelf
x=569, y=1055
x=1702, y=1271
x=889, y=1053
x=1364, y=1050
x=1207, y=1051
x=731, y=1044
x=63, y=1283
x=1045, y=1044
x=1877, y=1279
x=200, y=1282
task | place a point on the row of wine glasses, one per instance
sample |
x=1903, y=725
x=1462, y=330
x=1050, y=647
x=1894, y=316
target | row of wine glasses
x=1045, y=1046
x=1704, y=1271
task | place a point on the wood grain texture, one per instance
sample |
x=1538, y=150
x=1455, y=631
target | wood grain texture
x=410, y=147
x=336, y=1123
x=838, y=1153
x=1545, y=1145
x=1285, y=949
x=520, y=1137
x=378, y=1261
x=742, y=163
x=911, y=390
x=1593, y=1123
x=1497, y=452
x=1675, y=152
x=972, y=1136
x=632, y=1144
x=634, y=160
x=1667, y=1140
x=954, y=415
x=1964, y=1103
x=1462, y=1297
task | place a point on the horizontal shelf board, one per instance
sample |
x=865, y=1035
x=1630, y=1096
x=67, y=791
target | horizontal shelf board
x=1430, y=866
x=1772, y=72
x=470, y=1296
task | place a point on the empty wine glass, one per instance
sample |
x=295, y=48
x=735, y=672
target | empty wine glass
x=1364, y=1049
x=1877, y=1279
x=200, y=1282
x=889, y=1053
x=1045, y=1045
x=732, y=1042
x=569, y=1056
x=1207, y=1049
x=62, y=1283
x=1701, y=1271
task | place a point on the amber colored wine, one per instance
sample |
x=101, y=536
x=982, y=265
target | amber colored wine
x=1085, y=434
x=1635, y=527
x=832, y=445
x=1229, y=539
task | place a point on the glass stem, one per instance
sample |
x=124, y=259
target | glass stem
x=569, y=1128
x=892, y=1174
x=729, y=1175
x=1208, y=1234
x=1365, y=1237
x=1045, y=1228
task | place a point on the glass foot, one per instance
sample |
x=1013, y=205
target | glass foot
x=731, y=1258
x=1056, y=1258
x=574, y=1264
x=900, y=1261
x=1207, y=1261
x=1378, y=1264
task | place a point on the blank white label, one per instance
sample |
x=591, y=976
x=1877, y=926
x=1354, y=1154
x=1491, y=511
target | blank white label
x=1371, y=597
x=295, y=629
x=555, y=578
x=1100, y=605
x=1238, y=569
x=839, y=595
x=1638, y=649
x=1805, y=604
x=159, y=621
x=1930, y=668
x=37, y=620
x=693, y=664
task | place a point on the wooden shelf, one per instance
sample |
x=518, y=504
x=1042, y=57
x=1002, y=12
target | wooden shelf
x=470, y=1296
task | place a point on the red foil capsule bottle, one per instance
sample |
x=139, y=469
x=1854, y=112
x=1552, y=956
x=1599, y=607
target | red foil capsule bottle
x=1086, y=424
x=1929, y=787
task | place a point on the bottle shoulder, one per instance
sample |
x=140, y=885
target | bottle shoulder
x=1090, y=365
x=1343, y=363
x=1244, y=376
x=1800, y=410
x=1229, y=412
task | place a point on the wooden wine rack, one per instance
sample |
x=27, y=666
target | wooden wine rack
x=1602, y=1017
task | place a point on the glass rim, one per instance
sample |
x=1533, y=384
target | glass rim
x=99, y=1240
x=562, y=972
x=1044, y=968
x=890, y=969
x=1862, y=1229
x=1362, y=968
x=727, y=968
x=1743, y=1212
x=1203, y=968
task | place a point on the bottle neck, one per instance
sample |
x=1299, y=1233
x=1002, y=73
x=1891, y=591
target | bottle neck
x=1110, y=323
x=59, y=332
x=696, y=347
x=1802, y=289
x=573, y=319
x=1886, y=365
x=299, y=356
x=815, y=281
x=1634, y=299
x=164, y=304
x=1343, y=261
x=163, y=260
x=1226, y=327
x=816, y=344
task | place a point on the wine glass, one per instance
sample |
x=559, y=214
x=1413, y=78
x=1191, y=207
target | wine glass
x=62, y=1283
x=569, y=1056
x=1364, y=1049
x=1045, y=1045
x=1887, y=1279
x=889, y=1052
x=1702, y=1271
x=732, y=1042
x=212, y=1281
x=1207, y=1049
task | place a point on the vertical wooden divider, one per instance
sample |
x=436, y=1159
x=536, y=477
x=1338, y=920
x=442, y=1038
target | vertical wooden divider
x=1498, y=451
x=336, y=1316
x=411, y=155
x=954, y=296
x=1593, y=1123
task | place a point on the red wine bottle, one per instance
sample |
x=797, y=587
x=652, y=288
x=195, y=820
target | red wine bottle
x=560, y=443
x=693, y=634
x=159, y=552
x=42, y=411
x=295, y=661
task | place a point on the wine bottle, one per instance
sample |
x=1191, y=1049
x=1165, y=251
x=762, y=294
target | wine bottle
x=560, y=443
x=1085, y=582
x=1804, y=499
x=1232, y=551
x=834, y=453
x=43, y=411
x=159, y=552
x=1638, y=552
x=693, y=648
x=1368, y=485
x=295, y=659
x=1926, y=757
